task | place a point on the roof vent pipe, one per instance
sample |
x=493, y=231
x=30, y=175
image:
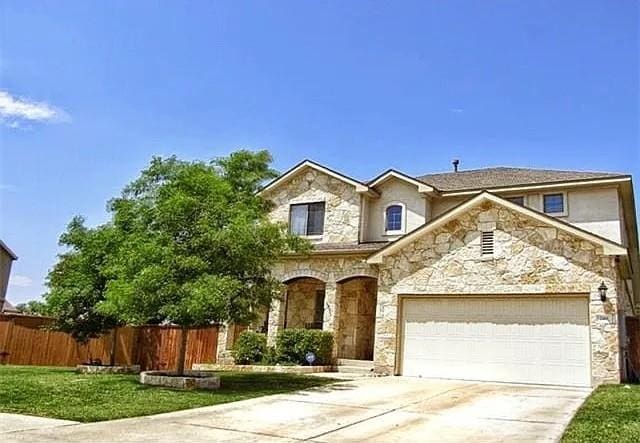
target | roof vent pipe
x=455, y=163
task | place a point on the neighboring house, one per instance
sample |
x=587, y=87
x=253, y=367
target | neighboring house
x=6, y=259
x=498, y=274
x=8, y=308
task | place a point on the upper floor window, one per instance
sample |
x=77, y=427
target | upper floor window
x=518, y=200
x=554, y=204
x=393, y=218
x=306, y=218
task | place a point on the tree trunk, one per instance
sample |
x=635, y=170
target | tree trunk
x=114, y=345
x=182, y=350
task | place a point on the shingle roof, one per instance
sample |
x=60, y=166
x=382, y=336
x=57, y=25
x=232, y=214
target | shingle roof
x=369, y=246
x=488, y=178
x=7, y=307
x=4, y=246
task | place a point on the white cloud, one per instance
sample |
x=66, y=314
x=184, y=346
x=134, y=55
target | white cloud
x=14, y=110
x=456, y=110
x=20, y=281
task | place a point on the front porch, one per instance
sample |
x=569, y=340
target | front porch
x=336, y=294
x=346, y=308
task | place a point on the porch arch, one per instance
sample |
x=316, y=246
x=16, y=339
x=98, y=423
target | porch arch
x=303, y=273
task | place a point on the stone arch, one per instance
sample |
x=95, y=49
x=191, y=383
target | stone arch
x=304, y=299
x=364, y=273
x=303, y=273
x=356, y=296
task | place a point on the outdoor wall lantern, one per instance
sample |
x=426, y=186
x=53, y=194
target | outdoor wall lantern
x=602, y=290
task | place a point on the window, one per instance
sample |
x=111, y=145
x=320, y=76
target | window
x=554, y=204
x=518, y=200
x=318, y=311
x=393, y=218
x=306, y=218
x=486, y=243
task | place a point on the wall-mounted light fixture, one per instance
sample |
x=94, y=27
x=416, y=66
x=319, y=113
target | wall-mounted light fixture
x=602, y=290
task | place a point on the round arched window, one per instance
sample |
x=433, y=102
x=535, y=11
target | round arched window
x=393, y=218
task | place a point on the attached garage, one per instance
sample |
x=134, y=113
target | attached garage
x=519, y=339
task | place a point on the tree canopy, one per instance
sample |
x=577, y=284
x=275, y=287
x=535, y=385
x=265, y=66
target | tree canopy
x=197, y=246
x=77, y=282
x=188, y=243
x=32, y=307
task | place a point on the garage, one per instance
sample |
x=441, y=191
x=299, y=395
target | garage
x=541, y=340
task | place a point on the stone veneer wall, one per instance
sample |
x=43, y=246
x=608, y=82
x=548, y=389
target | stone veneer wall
x=342, y=204
x=530, y=258
x=355, y=335
x=301, y=301
x=328, y=269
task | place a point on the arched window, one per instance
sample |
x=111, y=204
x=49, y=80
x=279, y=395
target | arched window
x=393, y=218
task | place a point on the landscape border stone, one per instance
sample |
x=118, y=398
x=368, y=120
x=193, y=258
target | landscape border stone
x=107, y=369
x=191, y=380
x=263, y=368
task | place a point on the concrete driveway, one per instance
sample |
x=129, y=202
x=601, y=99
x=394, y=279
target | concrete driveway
x=385, y=409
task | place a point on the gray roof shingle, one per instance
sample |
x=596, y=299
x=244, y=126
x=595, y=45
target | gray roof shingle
x=504, y=176
x=368, y=246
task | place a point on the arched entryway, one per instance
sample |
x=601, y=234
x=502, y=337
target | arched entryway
x=304, y=303
x=356, y=318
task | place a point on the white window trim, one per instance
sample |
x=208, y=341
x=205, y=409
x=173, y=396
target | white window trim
x=565, y=204
x=404, y=219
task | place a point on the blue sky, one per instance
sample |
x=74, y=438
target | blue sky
x=89, y=91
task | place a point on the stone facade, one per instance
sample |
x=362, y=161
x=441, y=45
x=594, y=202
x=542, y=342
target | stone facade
x=301, y=301
x=530, y=257
x=342, y=204
x=333, y=271
x=355, y=334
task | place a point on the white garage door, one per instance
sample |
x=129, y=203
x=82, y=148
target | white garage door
x=521, y=340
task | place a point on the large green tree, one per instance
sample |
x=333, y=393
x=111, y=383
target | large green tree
x=78, y=281
x=196, y=244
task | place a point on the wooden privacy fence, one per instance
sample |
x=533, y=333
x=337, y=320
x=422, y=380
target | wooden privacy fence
x=25, y=340
x=632, y=325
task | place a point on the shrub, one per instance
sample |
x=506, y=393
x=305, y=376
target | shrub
x=271, y=357
x=251, y=347
x=293, y=344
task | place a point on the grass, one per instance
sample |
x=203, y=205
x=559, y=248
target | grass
x=61, y=393
x=610, y=414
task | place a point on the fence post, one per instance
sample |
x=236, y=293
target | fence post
x=7, y=342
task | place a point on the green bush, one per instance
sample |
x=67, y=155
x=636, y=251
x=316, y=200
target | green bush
x=271, y=357
x=293, y=344
x=250, y=348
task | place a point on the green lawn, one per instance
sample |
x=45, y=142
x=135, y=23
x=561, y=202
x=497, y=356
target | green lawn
x=61, y=393
x=610, y=414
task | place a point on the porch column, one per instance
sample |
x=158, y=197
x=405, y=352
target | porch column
x=276, y=317
x=226, y=338
x=330, y=320
x=331, y=308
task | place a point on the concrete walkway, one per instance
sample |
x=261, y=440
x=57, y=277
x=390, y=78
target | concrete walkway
x=18, y=422
x=389, y=409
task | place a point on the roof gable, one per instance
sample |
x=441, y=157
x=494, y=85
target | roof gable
x=11, y=254
x=392, y=173
x=306, y=164
x=609, y=247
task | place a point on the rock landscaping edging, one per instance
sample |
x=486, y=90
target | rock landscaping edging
x=106, y=369
x=263, y=368
x=191, y=380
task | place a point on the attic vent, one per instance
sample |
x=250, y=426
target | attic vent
x=486, y=243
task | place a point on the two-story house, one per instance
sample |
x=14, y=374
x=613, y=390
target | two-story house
x=7, y=257
x=498, y=274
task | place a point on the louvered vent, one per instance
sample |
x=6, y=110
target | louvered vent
x=486, y=243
